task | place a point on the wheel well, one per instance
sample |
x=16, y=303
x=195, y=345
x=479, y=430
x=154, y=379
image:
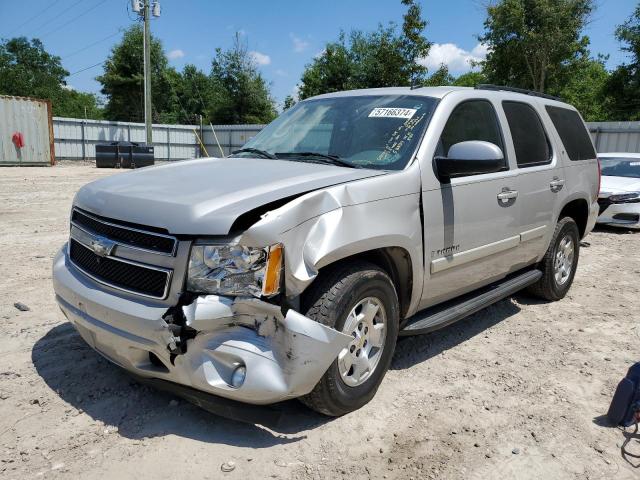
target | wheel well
x=579, y=211
x=395, y=262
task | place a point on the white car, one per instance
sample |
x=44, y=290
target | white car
x=619, y=197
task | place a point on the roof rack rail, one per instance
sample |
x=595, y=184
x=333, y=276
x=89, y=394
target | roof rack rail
x=488, y=86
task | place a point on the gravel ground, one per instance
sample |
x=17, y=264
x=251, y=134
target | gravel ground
x=515, y=391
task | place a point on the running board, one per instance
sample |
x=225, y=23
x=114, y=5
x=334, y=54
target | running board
x=442, y=315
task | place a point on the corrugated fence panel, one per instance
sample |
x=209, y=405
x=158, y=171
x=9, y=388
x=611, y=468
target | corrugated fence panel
x=30, y=117
x=75, y=139
x=615, y=136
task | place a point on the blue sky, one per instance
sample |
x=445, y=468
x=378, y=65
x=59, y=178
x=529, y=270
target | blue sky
x=285, y=35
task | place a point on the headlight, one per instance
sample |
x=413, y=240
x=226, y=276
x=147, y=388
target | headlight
x=235, y=270
x=625, y=198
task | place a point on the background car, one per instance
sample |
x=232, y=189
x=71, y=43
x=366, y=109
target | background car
x=619, y=196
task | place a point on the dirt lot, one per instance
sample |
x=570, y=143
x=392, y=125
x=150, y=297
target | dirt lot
x=515, y=391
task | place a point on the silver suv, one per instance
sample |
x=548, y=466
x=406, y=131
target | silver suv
x=290, y=268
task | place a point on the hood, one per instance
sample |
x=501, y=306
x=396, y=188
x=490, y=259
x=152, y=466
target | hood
x=205, y=196
x=614, y=185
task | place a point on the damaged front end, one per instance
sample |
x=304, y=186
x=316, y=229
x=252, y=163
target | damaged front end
x=246, y=349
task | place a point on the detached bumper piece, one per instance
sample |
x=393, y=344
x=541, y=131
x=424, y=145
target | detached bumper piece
x=238, y=349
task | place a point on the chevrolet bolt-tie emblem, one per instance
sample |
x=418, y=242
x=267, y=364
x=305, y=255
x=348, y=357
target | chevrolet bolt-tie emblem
x=102, y=246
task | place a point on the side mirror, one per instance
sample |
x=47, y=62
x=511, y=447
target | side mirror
x=473, y=157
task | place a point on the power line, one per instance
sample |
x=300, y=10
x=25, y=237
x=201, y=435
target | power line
x=57, y=16
x=34, y=17
x=86, y=68
x=73, y=19
x=93, y=44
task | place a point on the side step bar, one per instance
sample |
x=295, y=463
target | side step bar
x=442, y=315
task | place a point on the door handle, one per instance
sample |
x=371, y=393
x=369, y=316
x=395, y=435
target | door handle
x=556, y=184
x=507, y=194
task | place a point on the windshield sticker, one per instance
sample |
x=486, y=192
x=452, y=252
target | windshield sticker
x=380, y=112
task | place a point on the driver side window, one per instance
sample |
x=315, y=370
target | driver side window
x=471, y=120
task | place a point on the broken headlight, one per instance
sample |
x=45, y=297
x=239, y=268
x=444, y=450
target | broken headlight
x=235, y=270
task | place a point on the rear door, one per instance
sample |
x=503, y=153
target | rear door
x=470, y=224
x=541, y=179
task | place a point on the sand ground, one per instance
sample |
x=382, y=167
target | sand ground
x=515, y=391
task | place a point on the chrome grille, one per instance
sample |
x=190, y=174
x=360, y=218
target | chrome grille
x=124, y=233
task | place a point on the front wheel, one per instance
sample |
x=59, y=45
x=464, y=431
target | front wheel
x=560, y=262
x=359, y=300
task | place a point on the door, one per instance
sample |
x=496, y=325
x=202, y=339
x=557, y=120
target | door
x=540, y=181
x=471, y=224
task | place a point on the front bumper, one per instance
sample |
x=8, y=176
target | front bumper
x=621, y=215
x=284, y=356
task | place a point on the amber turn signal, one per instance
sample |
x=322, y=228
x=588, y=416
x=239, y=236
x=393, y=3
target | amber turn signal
x=271, y=284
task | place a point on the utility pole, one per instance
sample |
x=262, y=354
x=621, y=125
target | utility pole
x=144, y=9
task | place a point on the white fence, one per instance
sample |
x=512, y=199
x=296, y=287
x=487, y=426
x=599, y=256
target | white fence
x=616, y=136
x=75, y=139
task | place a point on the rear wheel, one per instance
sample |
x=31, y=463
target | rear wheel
x=359, y=300
x=559, y=263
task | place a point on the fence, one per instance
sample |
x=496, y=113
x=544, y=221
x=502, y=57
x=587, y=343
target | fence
x=616, y=136
x=75, y=139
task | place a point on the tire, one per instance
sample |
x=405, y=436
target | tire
x=549, y=287
x=353, y=287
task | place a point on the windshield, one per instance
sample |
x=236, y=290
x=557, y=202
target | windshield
x=379, y=132
x=620, y=167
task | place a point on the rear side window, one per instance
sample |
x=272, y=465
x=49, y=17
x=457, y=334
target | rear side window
x=471, y=120
x=529, y=138
x=574, y=135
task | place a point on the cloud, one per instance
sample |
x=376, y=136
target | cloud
x=175, y=54
x=260, y=58
x=299, y=45
x=457, y=59
x=281, y=73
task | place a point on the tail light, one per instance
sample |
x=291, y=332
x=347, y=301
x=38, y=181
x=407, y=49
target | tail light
x=599, y=178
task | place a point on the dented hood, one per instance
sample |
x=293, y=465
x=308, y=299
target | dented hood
x=205, y=196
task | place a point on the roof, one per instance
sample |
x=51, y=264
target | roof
x=441, y=92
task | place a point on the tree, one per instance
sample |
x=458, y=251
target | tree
x=123, y=79
x=623, y=87
x=382, y=58
x=470, y=79
x=584, y=87
x=241, y=94
x=190, y=94
x=531, y=41
x=289, y=102
x=28, y=70
x=440, y=77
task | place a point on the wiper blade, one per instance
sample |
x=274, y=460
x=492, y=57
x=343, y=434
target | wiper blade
x=264, y=153
x=326, y=158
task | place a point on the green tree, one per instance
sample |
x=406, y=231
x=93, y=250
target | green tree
x=623, y=87
x=470, y=79
x=584, y=87
x=241, y=93
x=289, y=102
x=531, y=41
x=122, y=80
x=440, y=77
x=190, y=94
x=382, y=58
x=28, y=70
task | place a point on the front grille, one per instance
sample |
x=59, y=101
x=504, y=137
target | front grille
x=119, y=274
x=124, y=234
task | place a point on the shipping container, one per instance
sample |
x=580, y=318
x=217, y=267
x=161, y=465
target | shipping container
x=26, y=132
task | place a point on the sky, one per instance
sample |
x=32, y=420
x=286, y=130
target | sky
x=282, y=35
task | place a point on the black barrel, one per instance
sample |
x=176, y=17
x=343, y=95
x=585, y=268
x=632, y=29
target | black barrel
x=124, y=155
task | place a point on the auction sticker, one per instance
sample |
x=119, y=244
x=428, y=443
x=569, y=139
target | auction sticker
x=383, y=112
